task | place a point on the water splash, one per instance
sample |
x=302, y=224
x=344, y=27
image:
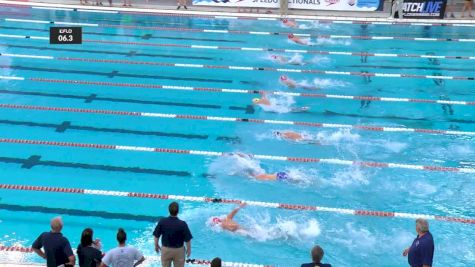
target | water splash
x=329, y=83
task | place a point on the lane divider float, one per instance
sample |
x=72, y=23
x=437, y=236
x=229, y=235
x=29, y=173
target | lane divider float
x=330, y=161
x=255, y=91
x=218, y=200
x=155, y=259
x=245, y=120
x=319, y=36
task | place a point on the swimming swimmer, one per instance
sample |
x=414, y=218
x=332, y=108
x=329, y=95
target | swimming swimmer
x=289, y=23
x=295, y=137
x=265, y=102
x=295, y=60
x=228, y=223
x=290, y=83
x=278, y=176
x=297, y=40
x=261, y=101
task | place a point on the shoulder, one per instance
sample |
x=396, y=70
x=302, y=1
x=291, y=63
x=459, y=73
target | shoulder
x=307, y=265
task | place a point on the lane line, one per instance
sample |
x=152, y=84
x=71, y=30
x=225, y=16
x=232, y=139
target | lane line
x=330, y=161
x=219, y=200
x=245, y=120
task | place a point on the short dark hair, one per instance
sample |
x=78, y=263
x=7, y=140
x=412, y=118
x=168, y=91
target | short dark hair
x=121, y=236
x=173, y=209
x=317, y=254
x=86, y=237
x=216, y=262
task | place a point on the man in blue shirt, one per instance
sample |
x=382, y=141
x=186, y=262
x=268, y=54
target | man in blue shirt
x=421, y=252
x=174, y=233
x=317, y=255
x=57, y=250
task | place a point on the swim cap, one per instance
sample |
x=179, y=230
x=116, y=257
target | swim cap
x=274, y=56
x=277, y=133
x=216, y=220
x=283, y=77
x=291, y=35
x=281, y=176
x=256, y=100
x=285, y=20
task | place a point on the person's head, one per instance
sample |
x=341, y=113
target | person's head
x=256, y=100
x=290, y=36
x=285, y=20
x=121, y=236
x=56, y=224
x=173, y=208
x=216, y=221
x=276, y=133
x=317, y=254
x=274, y=56
x=86, y=237
x=422, y=226
x=283, y=77
x=216, y=262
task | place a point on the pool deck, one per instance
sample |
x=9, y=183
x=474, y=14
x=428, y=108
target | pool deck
x=169, y=7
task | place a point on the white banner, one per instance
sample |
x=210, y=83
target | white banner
x=344, y=5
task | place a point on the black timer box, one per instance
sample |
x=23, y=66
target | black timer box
x=65, y=35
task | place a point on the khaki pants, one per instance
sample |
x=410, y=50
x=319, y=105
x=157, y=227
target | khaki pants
x=284, y=5
x=175, y=255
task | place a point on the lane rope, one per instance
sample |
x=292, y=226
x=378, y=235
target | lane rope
x=264, y=17
x=245, y=120
x=255, y=91
x=156, y=259
x=330, y=161
x=318, y=36
x=217, y=200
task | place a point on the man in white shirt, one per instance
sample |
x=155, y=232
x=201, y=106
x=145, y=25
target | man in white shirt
x=122, y=256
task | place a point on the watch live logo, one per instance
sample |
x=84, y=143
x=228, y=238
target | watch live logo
x=65, y=35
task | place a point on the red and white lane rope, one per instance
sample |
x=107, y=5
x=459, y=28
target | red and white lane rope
x=155, y=259
x=331, y=161
x=245, y=120
x=254, y=91
x=285, y=206
x=353, y=37
x=231, y=16
x=284, y=70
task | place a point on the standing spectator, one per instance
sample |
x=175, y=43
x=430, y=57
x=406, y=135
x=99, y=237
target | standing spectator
x=57, y=250
x=317, y=255
x=216, y=262
x=467, y=6
x=174, y=233
x=397, y=6
x=181, y=3
x=449, y=10
x=122, y=256
x=126, y=3
x=421, y=252
x=89, y=254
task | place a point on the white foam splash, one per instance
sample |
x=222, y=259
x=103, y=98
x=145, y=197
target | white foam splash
x=328, y=41
x=279, y=104
x=348, y=177
x=235, y=165
x=329, y=83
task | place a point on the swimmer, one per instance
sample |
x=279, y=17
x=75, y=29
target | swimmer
x=297, y=40
x=295, y=137
x=228, y=223
x=292, y=84
x=261, y=101
x=289, y=23
x=280, y=59
x=278, y=176
x=295, y=60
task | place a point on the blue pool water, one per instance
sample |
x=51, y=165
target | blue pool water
x=280, y=237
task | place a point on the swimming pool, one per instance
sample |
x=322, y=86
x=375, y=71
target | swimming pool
x=148, y=101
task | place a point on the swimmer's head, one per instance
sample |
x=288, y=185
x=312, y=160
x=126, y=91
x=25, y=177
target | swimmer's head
x=285, y=20
x=290, y=36
x=274, y=56
x=283, y=78
x=276, y=133
x=256, y=100
x=216, y=221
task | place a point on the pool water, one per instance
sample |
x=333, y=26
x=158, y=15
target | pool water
x=121, y=58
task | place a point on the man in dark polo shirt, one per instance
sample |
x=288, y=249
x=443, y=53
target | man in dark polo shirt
x=317, y=256
x=421, y=252
x=174, y=233
x=57, y=250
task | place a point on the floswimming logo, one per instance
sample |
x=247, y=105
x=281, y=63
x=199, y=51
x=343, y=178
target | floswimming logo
x=331, y=2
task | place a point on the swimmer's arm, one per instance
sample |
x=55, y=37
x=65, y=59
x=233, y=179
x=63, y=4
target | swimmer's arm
x=234, y=212
x=266, y=177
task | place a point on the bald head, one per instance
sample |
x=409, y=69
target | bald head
x=56, y=224
x=422, y=225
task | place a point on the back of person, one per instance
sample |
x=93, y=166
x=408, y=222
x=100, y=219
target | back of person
x=173, y=230
x=122, y=257
x=316, y=265
x=56, y=247
x=88, y=256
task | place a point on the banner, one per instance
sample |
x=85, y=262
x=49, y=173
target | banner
x=427, y=9
x=343, y=5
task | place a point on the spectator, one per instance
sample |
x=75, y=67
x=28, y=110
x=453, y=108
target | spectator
x=449, y=10
x=83, y=2
x=467, y=6
x=216, y=262
x=174, y=233
x=181, y=3
x=421, y=252
x=126, y=3
x=317, y=255
x=397, y=6
x=89, y=254
x=122, y=256
x=57, y=250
